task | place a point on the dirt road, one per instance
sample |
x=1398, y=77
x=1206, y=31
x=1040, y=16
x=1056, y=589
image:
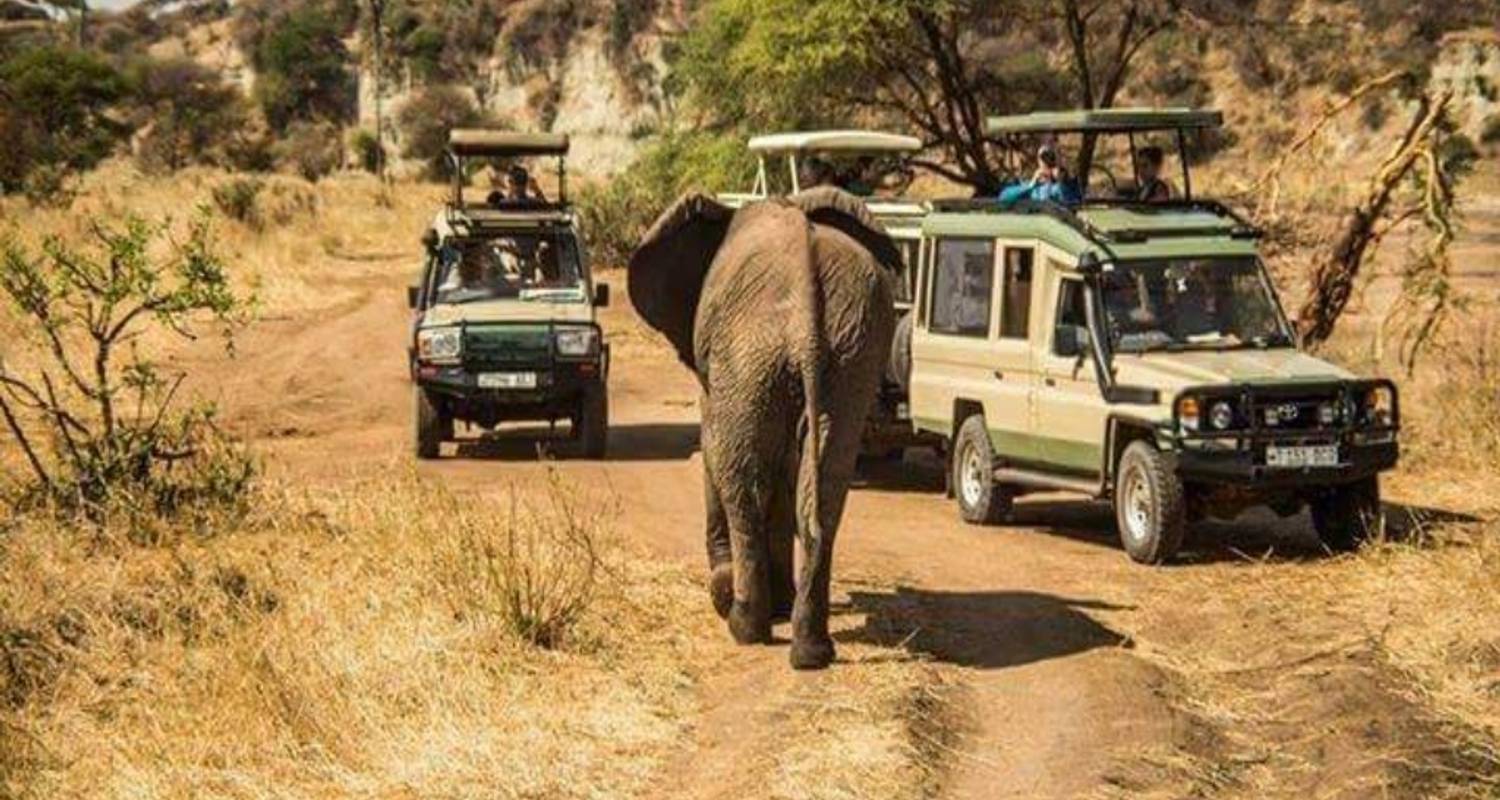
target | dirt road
x=1024, y=617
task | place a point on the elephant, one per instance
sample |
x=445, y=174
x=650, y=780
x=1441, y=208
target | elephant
x=784, y=310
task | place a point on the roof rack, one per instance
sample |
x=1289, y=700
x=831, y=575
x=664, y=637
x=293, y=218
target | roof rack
x=487, y=143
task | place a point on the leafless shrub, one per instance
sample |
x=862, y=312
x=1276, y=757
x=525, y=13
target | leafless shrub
x=533, y=573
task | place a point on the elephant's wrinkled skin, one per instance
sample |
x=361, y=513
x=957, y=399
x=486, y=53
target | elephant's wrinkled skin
x=784, y=311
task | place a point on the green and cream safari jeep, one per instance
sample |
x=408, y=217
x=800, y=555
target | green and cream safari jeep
x=1134, y=352
x=503, y=316
x=873, y=165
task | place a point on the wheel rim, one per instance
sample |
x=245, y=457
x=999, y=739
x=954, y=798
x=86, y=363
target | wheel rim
x=1136, y=502
x=971, y=476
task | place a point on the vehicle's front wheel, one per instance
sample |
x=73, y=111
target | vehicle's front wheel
x=432, y=426
x=1345, y=516
x=981, y=501
x=593, y=421
x=1150, y=508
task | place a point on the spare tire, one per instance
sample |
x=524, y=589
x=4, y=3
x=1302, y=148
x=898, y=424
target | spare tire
x=898, y=366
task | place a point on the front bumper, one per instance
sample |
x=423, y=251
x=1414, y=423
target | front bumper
x=1246, y=466
x=558, y=394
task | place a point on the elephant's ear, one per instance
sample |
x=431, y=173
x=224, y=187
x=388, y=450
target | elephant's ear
x=668, y=267
x=827, y=205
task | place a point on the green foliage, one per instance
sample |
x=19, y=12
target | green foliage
x=615, y=215
x=238, y=199
x=117, y=443
x=187, y=113
x=302, y=66
x=426, y=119
x=312, y=150
x=55, y=105
x=368, y=150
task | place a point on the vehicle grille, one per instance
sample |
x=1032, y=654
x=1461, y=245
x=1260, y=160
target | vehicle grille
x=1293, y=413
x=499, y=347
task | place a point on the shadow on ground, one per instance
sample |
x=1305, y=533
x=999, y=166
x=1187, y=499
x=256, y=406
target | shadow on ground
x=983, y=630
x=643, y=442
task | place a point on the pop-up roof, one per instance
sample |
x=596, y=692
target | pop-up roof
x=1109, y=120
x=849, y=141
x=485, y=143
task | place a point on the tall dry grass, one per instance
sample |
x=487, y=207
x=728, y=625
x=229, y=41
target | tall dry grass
x=383, y=639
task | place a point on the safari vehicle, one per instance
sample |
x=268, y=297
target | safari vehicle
x=871, y=164
x=1133, y=352
x=504, y=326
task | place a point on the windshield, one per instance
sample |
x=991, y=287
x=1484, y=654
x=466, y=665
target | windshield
x=534, y=265
x=1195, y=303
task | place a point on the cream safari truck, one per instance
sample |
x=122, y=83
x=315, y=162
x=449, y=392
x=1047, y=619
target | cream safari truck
x=879, y=161
x=1134, y=352
x=504, y=324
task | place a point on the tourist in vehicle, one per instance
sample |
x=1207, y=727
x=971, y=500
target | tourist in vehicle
x=1051, y=182
x=1153, y=188
x=519, y=189
x=814, y=172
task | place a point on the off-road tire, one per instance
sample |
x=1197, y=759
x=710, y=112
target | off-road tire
x=1150, y=506
x=1345, y=516
x=593, y=421
x=898, y=366
x=981, y=501
x=431, y=425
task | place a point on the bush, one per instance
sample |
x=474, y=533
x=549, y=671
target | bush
x=310, y=149
x=301, y=62
x=238, y=200
x=56, y=113
x=187, y=112
x=116, y=443
x=426, y=120
x=368, y=150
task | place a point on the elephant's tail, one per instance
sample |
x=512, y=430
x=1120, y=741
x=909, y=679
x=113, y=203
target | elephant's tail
x=812, y=370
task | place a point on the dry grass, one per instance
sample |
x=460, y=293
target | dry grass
x=347, y=227
x=345, y=644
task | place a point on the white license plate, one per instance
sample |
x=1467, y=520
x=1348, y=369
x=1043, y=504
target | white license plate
x=1323, y=455
x=507, y=380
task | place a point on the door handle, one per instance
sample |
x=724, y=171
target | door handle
x=999, y=376
x=1050, y=381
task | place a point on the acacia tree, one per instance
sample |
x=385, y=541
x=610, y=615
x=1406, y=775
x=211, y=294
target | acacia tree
x=936, y=67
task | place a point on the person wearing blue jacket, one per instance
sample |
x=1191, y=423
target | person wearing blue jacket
x=1049, y=184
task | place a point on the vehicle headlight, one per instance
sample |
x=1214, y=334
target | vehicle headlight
x=1221, y=416
x=576, y=341
x=439, y=345
x=1187, y=413
x=1379, y=406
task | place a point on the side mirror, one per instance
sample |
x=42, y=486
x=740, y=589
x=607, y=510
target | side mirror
x=430, y=240
x=413, y=294
x=601, y=295
x=1070, y=341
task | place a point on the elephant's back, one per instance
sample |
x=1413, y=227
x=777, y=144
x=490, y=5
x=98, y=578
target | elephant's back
x=859, y=314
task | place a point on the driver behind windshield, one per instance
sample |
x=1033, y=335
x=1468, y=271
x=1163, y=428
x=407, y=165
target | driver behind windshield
x=1211, y=303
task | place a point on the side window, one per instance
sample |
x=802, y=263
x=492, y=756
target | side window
x=962, y=285
x=908, y=277
x=1015, y=313
x=1070, y=308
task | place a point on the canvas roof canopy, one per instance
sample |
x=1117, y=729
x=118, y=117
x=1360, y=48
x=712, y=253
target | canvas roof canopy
x=499, y=144
x=1109, y=120
x=846, y=141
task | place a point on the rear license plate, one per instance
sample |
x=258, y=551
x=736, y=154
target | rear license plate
x=507, y=380
x=1324, y=455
